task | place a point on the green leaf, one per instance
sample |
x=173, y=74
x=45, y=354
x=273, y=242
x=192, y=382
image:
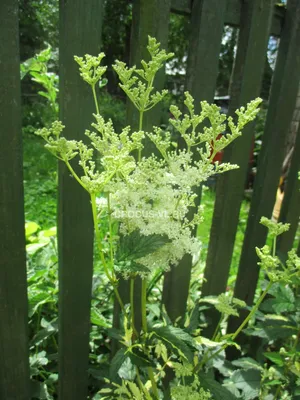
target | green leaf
x=282, y=302
x=127, y=370
x=275, y=358
x=39, y=390
x=218, y=391
x=139, y=358
x=135, y=391
x=247, y=363
x=31, y=228
x=43, y=334
x=32, y=248
x=98, y=319
x=49, y=232
x=176, y=338
x=134, y=246
x=273, y=328
x=116, y=363
x=248, y=381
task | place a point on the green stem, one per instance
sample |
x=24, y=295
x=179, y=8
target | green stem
x=95, y=99
x=132, y=303
x=240, y=328
x=144, y=302
x=277, y=392
x=99, y=243
x=74, y=174
x=145, y=329
x=253, y=311
x=217, y=328
x=141, y=386
x=140, y=128
x=110, y=232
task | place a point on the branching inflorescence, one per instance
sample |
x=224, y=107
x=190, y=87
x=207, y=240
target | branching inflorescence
x=147, y=202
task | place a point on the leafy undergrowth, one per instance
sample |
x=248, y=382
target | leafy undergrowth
x=268, y=367
x=40, y=182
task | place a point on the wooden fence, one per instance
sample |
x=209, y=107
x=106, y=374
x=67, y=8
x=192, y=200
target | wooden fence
x=80, y=33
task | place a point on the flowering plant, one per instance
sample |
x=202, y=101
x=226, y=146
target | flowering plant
x=147, y=203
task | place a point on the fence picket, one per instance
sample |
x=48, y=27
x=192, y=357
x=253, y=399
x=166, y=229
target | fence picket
x=290, y=209
x=80, y=33
x=202, y=70
x=233, y=13
x=246, y=85
x=14, y=364
x=282, y=102
x=148, y=18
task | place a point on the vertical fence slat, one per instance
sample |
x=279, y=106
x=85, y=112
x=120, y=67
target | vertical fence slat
x=148, y=18
x=282, y=102
x=202, y=70
x=290, y=209
x=14, y=363
x=246, y=83
x=80, y=33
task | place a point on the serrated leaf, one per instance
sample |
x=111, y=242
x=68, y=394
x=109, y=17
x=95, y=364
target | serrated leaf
x=135, y=391
x=127, y=370
x=218, y=391
x=135, y=246
x=275, y=358
x=248, y=381
x=98, y=319
x=139, y=358
x=176, y=338
x=247, y=363
x=116, y=363
x=273, y=329
x=283, y=301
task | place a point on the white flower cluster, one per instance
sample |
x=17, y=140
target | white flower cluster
x=154, y=195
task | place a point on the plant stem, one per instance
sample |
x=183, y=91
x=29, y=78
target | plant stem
x=277, y=392
x=139, y=379
x=144, y=302
x=240, y=328
x=95, y=99
x=217, y=328
x=140, y=128
x=145, y=329
x=253, y=311
x=74, y=174
x=132, y=302
x=110, y=232
x=99, y=243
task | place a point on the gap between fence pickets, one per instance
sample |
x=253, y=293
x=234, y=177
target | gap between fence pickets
x=233, y=13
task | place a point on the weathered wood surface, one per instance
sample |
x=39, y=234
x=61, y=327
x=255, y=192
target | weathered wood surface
x=148, y=19
x=14, y=357
x=246, y=84
x=233, y=13
x=280, y=112
x=202, y=70
x=80, y=33
x=290, y=209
